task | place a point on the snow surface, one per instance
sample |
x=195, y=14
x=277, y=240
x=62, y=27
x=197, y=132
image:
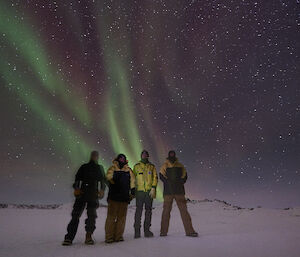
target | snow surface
x=224, y=231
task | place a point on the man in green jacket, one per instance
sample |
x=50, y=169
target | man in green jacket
x=145, y=184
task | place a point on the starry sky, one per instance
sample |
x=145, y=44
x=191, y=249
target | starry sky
x=217, y=81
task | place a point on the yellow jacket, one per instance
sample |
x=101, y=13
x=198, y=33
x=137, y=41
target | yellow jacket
x=145, y=175
x=169, y=164
x=115, y=167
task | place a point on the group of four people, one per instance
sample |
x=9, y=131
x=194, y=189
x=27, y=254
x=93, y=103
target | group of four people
x=124, y=185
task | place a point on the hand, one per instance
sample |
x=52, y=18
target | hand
x=152, y=193
x=165, y=176
x=131, y=197
x=101, y=194
x=77, y=192
x=132, y=194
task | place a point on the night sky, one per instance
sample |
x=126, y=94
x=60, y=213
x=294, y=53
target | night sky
x=217, y=81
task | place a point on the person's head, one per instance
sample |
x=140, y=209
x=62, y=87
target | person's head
x=121, y=159
x=94, y=156
x=144, y=155
x=172, y=156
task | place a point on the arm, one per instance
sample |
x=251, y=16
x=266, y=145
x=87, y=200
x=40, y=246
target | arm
x=132, y=179
x=78, y=177
x=110, y=175
x=154, y=177
x=162, y=178
x=162, y=173
x=152, y=192
x=132, y=183
x=102, y=178
x=134, y=172
x=184, y=174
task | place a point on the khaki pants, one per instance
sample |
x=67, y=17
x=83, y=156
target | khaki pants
x=116, y=219
x=166, y=214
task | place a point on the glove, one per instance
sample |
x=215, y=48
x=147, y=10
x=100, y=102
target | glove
x=132, y=194
x=77, y=192
x=101, y=194
x=131, y=197
x=152, y=193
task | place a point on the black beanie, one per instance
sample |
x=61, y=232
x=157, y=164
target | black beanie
x=121, y=155
x=121, y=164
x=172, y=151
x=145, y=151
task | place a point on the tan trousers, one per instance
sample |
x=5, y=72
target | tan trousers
x=116, y=219
x=166, y=214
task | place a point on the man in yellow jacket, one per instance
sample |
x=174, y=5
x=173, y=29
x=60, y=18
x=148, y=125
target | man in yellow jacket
x=121, y=192
x=173, y=174
x=145, y=184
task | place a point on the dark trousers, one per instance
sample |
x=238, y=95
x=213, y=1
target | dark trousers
x=166, y=214
x=116, y=220
x=78, y=208
x=143, y=198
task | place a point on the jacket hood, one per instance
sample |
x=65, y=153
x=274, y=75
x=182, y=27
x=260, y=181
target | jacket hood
x=168, y=160
x=140, y=161
x=116, y=165
x=171, y=164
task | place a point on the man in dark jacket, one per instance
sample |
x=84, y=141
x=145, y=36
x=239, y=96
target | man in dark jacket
x=174, y=175
x=121, y=191
x=87, y=192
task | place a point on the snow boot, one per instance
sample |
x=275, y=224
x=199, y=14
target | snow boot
x=148, y=233
x=88, y=239
x=121, y=239
x=109, y=241
x=137, y=233
x=67, y=242
x=193, y=234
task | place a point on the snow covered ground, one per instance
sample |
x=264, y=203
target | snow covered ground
x=224, y=231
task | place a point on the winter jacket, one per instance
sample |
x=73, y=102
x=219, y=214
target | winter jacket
x=145, y=176
x=90, y=178
x=173, y=176
x=121, y=182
